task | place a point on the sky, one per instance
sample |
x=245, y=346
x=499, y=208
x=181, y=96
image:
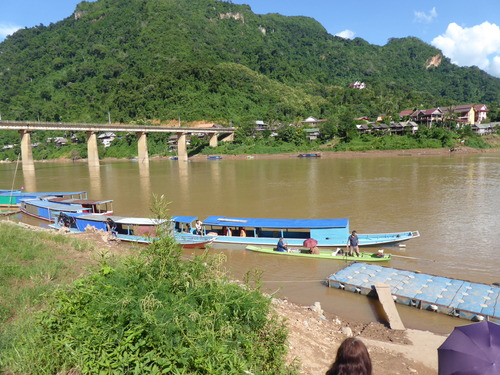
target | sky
x=468, y=32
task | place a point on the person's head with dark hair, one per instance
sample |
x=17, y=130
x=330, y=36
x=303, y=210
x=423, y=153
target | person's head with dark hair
x=352, y=359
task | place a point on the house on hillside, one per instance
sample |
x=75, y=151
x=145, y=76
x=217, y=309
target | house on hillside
x=357, y=85
x=465, y=114
x=312, y=121
x=107, y=138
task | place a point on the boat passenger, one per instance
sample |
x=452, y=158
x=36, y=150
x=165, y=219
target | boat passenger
x=198, y=227
x=281, y=247
x=353, y=244
x=314, y=250
x=243, y=233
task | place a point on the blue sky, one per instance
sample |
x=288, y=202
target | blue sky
x=468, y=32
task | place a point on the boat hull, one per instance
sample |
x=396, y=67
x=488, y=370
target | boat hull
x=328, y=233
x=364, y=257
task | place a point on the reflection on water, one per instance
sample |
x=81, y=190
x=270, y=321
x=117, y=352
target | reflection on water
x=95, y=181
x=454, y=201
x=29, y=178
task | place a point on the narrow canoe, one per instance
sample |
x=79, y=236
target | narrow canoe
x=324, y=254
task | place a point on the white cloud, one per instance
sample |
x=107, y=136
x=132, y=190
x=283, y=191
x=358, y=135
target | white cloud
x=425, y=17
x=346, y=34
x=7, y=29
x=466, y=46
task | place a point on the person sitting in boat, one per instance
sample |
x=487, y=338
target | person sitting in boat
x=243, y=233
x=228, y=232
x=198, y=228
x=282, y=246
x=314, y=250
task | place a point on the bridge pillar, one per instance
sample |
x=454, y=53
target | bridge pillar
x=26, y=151
x=142, y=147
x=93, y=154
x=213, y=140
x=229, y=138
x=181, y=147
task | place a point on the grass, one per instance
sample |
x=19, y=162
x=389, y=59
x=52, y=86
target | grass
x=33, y=265
x=149, y=313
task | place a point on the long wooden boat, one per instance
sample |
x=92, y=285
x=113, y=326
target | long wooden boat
x=266, y=232
x=324, y=254
x=103, y=207
x=310, y=155
x=48, y=211
x=130, y=229
x=14, y=198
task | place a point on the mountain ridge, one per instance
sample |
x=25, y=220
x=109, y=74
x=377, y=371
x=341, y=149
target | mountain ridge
x=144, y=60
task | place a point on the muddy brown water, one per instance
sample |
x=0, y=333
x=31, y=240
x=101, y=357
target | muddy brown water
x=452, y=200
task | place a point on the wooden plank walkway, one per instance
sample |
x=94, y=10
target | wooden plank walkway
x=385, y=298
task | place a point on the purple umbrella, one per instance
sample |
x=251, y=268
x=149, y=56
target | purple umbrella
x=473, y=349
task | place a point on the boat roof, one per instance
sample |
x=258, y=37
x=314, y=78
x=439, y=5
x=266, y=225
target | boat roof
x=54, y=206
x=276, y=223
x=91, y=202
x=54, y=194
x=184, y=219
x=121, y=219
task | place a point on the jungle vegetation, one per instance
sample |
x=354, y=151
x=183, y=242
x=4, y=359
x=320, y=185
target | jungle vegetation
x=155, y=61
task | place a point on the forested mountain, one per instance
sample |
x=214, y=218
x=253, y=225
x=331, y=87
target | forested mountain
x=150, y=60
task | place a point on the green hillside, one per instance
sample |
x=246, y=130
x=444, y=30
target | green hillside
x=145, y=60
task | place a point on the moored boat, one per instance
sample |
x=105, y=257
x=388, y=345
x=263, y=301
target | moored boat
x=310, y=155
x=14, y=198
x=102, y=207
x=323, y=254
x=266, y=232
x=130, y=229
x=48, y=211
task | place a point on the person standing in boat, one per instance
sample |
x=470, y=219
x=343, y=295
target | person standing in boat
x=353, y=244
x=281, y=247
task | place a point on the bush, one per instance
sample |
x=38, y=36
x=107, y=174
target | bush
x=154, y=314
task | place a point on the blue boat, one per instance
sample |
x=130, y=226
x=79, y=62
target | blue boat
x=48, y=211
x=129, y=229
x=214, y=157
x=310, y=155
x=266, y=232
x=13, y=199
x=459, y=298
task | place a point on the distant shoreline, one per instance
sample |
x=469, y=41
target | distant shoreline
x=323, y=154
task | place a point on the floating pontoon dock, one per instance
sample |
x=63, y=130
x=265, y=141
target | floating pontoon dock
x=454, y=297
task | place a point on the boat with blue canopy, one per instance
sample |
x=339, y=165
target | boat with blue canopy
x=267, y=232
x=14, y=198
x=45, y=210
x=130, y=229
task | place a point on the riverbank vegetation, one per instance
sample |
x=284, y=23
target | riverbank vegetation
x=249, y=140
x=152, y=312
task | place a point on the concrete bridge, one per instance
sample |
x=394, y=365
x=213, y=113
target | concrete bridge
x=25, y=128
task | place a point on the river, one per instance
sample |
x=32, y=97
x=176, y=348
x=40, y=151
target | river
x=452, y=200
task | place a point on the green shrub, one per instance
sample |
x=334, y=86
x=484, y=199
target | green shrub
x=154, y=314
